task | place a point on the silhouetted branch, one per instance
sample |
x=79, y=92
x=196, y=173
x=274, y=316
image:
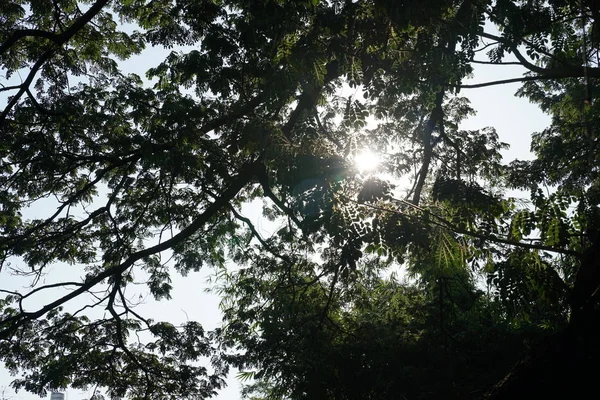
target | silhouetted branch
x=505, y=81
x=22, y=33
x=495, y=63
x=569, y=71
x=442, y=222
x=435, y=119
x=10, y=324
x=59, y=41
x=267, y=246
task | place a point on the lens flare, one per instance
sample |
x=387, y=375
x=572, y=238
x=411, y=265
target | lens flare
x=367, y=161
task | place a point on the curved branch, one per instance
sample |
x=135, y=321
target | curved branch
x=129, y=309
x=120, y=331
x=17, y=239
x=263, y=179
x=568, y=71
x=22, y=33
x=50, y=286
x=37, y=104
x=495, y=239
x=59, y=41
x=267, y=246
x=11, y=324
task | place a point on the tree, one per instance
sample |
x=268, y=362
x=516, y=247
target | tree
x=255, y=109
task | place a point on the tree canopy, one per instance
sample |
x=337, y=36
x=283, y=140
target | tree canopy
x=145, y=177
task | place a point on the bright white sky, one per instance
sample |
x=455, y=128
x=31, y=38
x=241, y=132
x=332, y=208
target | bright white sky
x=514, y=119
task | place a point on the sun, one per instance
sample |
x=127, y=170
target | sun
x=367, y=161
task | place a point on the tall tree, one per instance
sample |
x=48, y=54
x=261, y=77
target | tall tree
x=259, y=107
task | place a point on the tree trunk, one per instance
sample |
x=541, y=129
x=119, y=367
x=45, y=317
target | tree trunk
x=567, y=365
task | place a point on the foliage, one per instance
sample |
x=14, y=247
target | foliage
x=271, y=99
x=376, y=339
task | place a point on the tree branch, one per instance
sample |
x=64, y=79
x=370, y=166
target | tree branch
x=435, y=118
x=11, y=324
x=568, y=71
x=334, y=280
x=25, y=85
x=442, y=222
x=120, y=333
x=16, y=239
x=22, y=33
x=506, y=81
x=495, y=63
x=268, y=247
x=308, y=98
x=263, y=179
x=59, y=41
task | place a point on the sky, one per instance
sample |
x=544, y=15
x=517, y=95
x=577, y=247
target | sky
x=513, y=118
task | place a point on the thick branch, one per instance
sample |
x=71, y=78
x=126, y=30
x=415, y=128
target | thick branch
x=308, y=98
x=11, y=324
x=22, y=33
x=435, y=118
x=25, y=85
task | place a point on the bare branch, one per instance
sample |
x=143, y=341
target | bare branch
x=506, y=81
x=495, y=63
x=488, y=45
x=13, y=87
x=51, y=286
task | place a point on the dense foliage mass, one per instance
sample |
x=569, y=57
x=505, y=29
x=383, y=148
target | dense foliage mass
x=143, y=178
